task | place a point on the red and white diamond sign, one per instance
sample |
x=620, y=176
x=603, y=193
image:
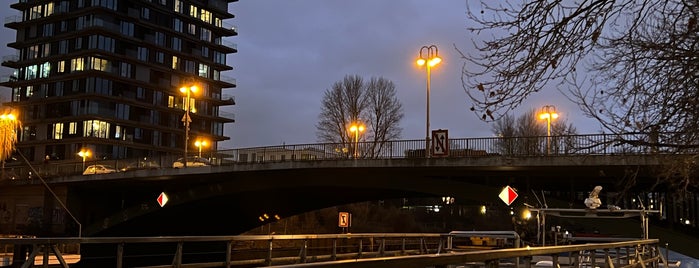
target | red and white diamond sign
x=508, y=195
x=162, y=199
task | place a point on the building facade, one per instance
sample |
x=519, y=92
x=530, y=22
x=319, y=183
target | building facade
x=107, y=76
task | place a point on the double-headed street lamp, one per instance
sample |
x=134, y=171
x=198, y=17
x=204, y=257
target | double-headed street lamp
x=548, y=112
x=84, y=153
x=9, y=124
x=356, y=128
x=188, y=106
x=432, y=58
x=200, y=143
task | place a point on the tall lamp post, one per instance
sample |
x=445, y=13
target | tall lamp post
x=432, y=58
x=548, y=112
x=200, y=143
x=84, y=153
x=356, y=128
x=9, y=124
x=187, y=90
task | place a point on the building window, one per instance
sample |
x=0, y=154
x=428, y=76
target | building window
x=96, y=128
x=72, y=128
x=58, y=131
x=177, y=25
x=219, y=57
x=30, y=72
x=179, y=6
x=45, y=70
x=111, y=4
x=205, y=16
x=176, y=44
x=143, y=53
x=78, y=43
x=175, y=63
x=127, y=28
x=192, y=29
x=205, y=51
x=194, y=11
x=205, y=34
x=101, y=42
x=99, y=64
x=203, y=70
x=48, y=29
x=77, y=64
x=159, y=38
x=138, y=133
x=119, y=133
x=125, y=69
x=189, y=66
x=140, y=93
x=160, y=57
x=145, y=13
x=63, y=47
x=171, y=101
x=61, y=66
x=122, y=111
x=33, y=52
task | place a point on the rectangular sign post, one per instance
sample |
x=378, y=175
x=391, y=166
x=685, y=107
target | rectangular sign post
x=440, y=143
x=344, y=221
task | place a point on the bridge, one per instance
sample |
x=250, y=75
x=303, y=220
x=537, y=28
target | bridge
x=242, y=184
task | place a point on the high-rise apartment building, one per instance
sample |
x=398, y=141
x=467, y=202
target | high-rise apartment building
x=106, y=75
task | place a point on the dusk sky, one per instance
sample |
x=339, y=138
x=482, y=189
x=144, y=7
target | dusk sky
x=290, y=52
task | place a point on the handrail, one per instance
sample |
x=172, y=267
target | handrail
x=401, y=254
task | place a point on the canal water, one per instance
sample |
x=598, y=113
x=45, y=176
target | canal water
x=685, y=261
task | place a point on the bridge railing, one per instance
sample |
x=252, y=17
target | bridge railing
x=567, y=145
x=593, y=144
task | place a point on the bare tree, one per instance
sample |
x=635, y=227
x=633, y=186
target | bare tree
x=373, y=103
x=526, y=134
x=384, y=113
x=631, y=65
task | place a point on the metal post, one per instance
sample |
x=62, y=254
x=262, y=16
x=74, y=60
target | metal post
x=186, y=128
x=427, y=120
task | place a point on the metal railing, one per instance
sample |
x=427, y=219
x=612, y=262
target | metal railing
x=570, y=145
x=326, y=250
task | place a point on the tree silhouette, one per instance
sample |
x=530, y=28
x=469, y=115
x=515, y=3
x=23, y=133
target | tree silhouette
x=373, y=104
x=631, y=65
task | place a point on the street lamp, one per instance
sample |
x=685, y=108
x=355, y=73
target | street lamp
x=200, y=143
x=430, y=61
x=84, y=153
x=548, y=112
x=356, y=128
x=9, y=124
x=188, y=106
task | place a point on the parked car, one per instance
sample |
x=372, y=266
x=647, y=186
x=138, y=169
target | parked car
x=141, y=164
x=194, y=161
x=99, y=169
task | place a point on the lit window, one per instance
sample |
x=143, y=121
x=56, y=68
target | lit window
x=77, y=64
x=96, y=128
x=45, y=70
x=99, y=64
x=203, y=70
x=58, y=131
x=175, y=62
x=72, y=128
